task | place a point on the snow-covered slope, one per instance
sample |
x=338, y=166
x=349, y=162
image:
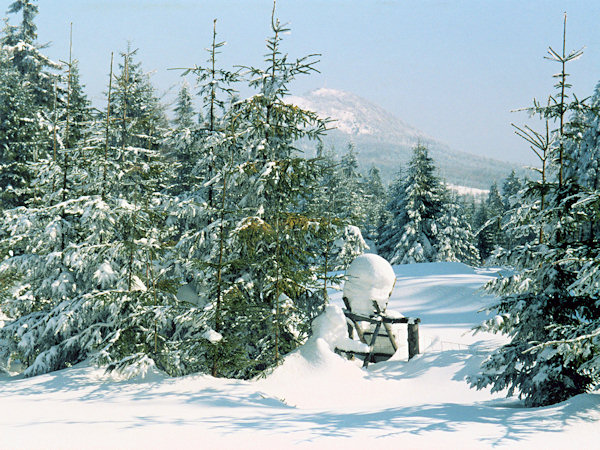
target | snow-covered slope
x=386, y=141
x=356, y=116
x=314, y=399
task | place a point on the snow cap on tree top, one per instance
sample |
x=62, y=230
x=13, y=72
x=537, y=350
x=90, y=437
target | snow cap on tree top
x=369, y=278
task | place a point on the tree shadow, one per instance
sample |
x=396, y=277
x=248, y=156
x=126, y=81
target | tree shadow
x=513, y=423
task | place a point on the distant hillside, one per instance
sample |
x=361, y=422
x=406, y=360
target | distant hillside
x=386, y=141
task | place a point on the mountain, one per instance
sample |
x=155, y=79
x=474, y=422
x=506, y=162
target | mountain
x=383, y=140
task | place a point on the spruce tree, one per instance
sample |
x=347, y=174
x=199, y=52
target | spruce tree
x=422, y=198
x=456, y=240
x=424, y=222
x=392, y=218
x=27, y=80
x=206, y=210
x=375, y=200
x=490, y=232
x=549, y=306
x=90, y=251
x=275, y=235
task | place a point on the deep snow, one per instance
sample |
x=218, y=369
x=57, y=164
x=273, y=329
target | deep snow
x=315, y=399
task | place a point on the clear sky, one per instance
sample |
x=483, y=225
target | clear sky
x=453, y=69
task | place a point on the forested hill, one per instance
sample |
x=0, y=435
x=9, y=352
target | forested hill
x=386, y=141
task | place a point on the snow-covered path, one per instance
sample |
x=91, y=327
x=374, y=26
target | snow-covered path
x=315, y=399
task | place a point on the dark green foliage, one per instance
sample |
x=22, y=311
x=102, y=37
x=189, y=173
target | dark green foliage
x=424, y=222
x=550, y=306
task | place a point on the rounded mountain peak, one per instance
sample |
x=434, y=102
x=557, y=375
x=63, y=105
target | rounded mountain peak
x=356, y=116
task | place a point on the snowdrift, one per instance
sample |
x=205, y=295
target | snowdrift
x=315, y=398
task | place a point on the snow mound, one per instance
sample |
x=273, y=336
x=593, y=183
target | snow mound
x=331, y=328
x=369, y=278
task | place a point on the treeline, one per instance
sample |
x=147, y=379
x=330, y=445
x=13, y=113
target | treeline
x=107, y=215
x=202, y=243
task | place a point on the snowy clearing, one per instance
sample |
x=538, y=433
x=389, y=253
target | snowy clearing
x=315, y=399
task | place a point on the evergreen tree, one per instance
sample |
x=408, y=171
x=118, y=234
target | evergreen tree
x=485, y=244
x=456, y=241
x=375, y=200
x=393, y=218
x=206, y=210
x=491, y=233
x=423, y=223
x=26, y=97
x=510, y=189
x=422, y=199
x=182, y=142
x=90, y=254
x=350, y=188
x=549, y=307
x=275, y=236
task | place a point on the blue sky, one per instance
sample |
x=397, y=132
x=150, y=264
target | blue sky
x=453, y=69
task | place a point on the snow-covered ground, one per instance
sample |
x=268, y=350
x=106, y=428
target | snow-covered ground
x=315, y=399
x=479, y=194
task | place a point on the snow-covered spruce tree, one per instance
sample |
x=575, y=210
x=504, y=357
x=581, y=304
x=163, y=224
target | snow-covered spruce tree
x=483, y=240
x=39, y=236
x=423, y=223
x=275, y=239
x=510, y=188
x=422, y=198
x=549, y=307
x=205, y=213
x=341, y=240
x=375, y=201
x=577, y=340
x=182, y=141
x=351, y=195
x=393, y=217
x=495, y=207
x=27, y=82
x=132, y=278
x=490, y=230
x=456, y=240
x=91, y=253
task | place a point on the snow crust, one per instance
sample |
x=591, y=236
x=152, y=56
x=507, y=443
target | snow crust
x=369, y=278
x=315, y=398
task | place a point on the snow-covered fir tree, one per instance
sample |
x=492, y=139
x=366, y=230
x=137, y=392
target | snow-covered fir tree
x=182, y=140
x=351, y=194
x=423, y=225
x=204, y=212
x=488, y=221
x=343, y=240
x=27, y=80
x=375, y=198
x=90, y=251
x=510, y=189
x=392, y=218
x=275, y=237
x=549, y=307
x=456, y=240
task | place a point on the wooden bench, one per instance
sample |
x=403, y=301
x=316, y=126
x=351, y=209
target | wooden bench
x=378, y=333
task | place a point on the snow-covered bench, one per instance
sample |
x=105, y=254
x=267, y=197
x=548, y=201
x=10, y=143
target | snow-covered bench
x=368, y=287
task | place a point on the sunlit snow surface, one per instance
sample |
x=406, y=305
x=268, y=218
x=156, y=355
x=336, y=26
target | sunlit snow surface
x=315, y=399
